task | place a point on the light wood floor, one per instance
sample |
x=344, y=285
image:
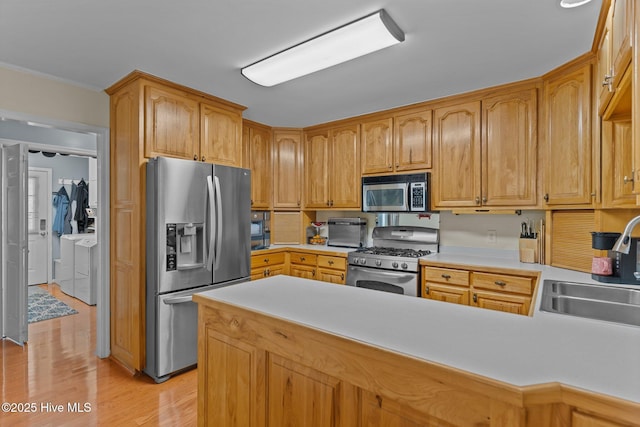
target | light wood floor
x=58, y=366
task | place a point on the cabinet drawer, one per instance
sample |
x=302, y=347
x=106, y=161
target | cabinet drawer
x=446, y=275
x=500, y=282
x=267, y=259
x=335, y=262
x=303, y=258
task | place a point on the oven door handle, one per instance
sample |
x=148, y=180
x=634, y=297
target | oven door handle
x=383, y=273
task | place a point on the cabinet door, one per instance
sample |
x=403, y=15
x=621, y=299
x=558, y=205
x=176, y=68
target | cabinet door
x=567, y=161
x=456, y=181
x=171, y=121
x=604, y=68
x=446, y=293
x=508, y=303
x=287, y=169
x=345, y=167
x=621, y=35
x=258, y=142
x=304, y=271
x=220, y=136
x=412, y=141
x=331, y=276
x=376, y=150
x=509, y=149
x=316, y=170
x=617, y=164
x=579, y=419
x=301, y=396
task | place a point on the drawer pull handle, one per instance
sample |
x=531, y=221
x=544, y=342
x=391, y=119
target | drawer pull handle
x=266, y=260
x=341, y=276
x=500, y=283
x=446, y=276
x=426, y=290
x=302, y=258
x=330, y=262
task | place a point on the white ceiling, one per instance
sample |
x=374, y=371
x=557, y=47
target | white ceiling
x=451, y=46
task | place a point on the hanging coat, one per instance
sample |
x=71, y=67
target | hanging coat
x=82, y=203
x=61, y=203
x=67, y=219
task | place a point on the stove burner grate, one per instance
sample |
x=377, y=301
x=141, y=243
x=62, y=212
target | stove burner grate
x=409, y=253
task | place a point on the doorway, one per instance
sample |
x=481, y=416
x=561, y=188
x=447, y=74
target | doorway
x=100, y=149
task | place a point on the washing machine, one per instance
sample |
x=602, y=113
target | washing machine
x=65, y=277
x=86, y=270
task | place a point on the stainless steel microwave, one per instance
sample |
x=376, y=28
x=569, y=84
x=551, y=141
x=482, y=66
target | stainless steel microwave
x=396, y=193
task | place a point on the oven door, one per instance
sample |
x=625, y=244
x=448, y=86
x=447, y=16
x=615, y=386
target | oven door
x=390, y=197
x=398, y=282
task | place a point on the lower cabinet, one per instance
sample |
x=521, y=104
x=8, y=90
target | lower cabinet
x=265, y=265
x=493, y=291
x=332, y=269
x=302, y=264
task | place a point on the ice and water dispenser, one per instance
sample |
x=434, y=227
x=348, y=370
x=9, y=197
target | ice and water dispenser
x=185, y=246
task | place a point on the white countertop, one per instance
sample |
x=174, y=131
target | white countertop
x=598, y=356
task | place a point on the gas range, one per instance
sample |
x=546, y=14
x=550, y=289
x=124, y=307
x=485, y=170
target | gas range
x=396, y=248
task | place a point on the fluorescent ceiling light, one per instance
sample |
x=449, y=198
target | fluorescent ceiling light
x=568, y=4
x=366, y=35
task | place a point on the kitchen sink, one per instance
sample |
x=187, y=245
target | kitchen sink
x=601, y=302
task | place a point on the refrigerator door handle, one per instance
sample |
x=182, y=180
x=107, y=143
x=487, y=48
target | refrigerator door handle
x=212, y=227
x=177, y=300
x=218, y=229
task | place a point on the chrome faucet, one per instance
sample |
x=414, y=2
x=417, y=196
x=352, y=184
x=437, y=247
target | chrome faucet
x=622, y=245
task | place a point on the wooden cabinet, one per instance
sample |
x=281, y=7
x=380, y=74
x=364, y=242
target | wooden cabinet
x=149, y=117
x=332, y=269
x=266, y=265
x=511, y=294
x=287, y=169
x=332, y=173
x=397, y=144
x=486, y=151
x=445, y=284
x=220, y=135
x=635, y=99
x=567, y=152
x=580, y=419
x=456, y=144
x=303, y=264
x=483, y=289
x=509, y=149
x=257, y=144
x=412, y=140
x=177, y=125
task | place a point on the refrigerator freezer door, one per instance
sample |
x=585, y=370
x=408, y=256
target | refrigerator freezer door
x=177, y=225
x=232, y=257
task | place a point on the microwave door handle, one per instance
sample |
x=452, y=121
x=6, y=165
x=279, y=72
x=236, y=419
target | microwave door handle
x=218, y=229
x=212, y=231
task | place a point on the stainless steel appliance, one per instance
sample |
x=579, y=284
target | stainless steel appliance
x=396, y=193
x=260, y=230
x=347, y=232
x=391, y=265
x=198, y=238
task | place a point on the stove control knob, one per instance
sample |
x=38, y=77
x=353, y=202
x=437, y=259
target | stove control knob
x=394, y=265
x=404, y=266
x=378, y=262
x=363, y=261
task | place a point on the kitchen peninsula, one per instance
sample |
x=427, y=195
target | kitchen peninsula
x=282, y=350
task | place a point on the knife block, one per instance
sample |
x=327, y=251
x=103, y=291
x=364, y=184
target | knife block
x=529, y=250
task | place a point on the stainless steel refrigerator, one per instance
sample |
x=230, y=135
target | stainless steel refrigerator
x=198, y=238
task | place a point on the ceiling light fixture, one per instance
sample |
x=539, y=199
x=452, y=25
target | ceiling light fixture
x=568, y=4
x=358, y=38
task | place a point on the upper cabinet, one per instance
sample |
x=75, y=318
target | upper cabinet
x=397, y=144
x=257, y=147
x=332, y=173
x=287, y=169
x=567, y=152
x=180, y=124
x=614, y=48
x=486, y=151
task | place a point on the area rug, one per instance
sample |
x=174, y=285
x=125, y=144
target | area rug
x=44, y=306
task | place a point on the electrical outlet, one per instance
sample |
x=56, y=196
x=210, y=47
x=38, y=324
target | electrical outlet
x=492, y=236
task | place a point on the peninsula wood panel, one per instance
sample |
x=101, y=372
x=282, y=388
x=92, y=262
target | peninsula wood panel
x=509, y=149
x=376, y=146
x=257, y=141
x=456, y=182
x=567, y=159
x=220, y=135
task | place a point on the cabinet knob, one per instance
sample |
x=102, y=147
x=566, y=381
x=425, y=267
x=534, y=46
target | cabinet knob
x=390, y=167
x=195, y=157
x=484, y=199
x=330, y=262
x=477, y=200
x=475, y=297
x=546, y=197
x=446, y=276
x=204, y=158
x=627, y=179
x=426, y=290
x=313, y=273
x=328, y=203
x=500, y=283
x=341, y=276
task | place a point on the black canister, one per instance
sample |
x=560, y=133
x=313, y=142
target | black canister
x=603, y=240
